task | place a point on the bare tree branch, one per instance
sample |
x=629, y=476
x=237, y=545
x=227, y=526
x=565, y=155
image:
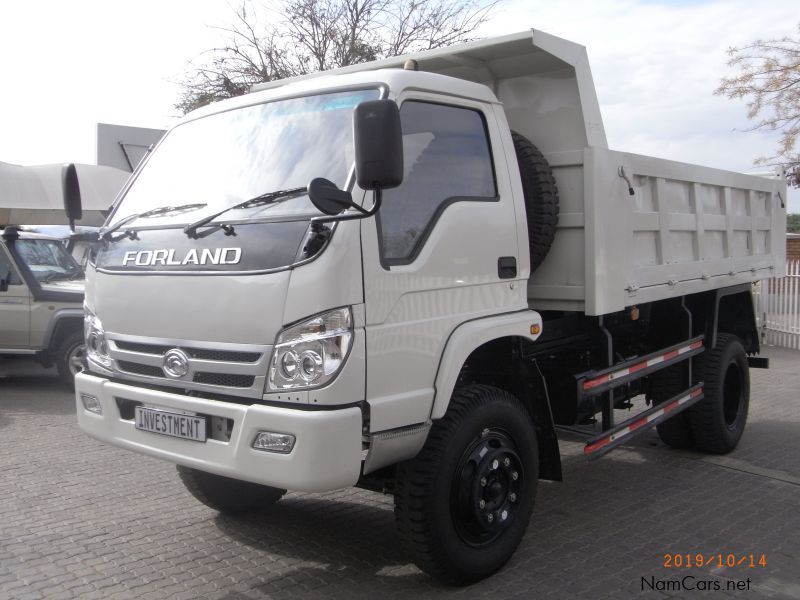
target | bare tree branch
x=768, y=75
x=313, y=35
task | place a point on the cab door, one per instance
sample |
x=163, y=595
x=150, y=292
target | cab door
x=14, y=305
x=431, y=253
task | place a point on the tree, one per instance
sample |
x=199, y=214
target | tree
x=303, y=36
x=793, y=223
x=768, y=76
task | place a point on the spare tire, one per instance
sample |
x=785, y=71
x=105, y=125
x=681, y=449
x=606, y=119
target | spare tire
x=541, y=198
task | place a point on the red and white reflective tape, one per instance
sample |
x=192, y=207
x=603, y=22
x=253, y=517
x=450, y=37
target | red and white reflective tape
x=639, y=423
x=597, y=381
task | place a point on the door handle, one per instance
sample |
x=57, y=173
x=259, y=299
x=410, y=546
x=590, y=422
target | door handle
x=507, y=267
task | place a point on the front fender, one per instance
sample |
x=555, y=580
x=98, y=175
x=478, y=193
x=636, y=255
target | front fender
x=58, y=319
x=471, y=335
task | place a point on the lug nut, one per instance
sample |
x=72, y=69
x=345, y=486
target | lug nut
x=514, y=475
x=482, y=503
x=504, y=515
x=507, y=462
x=490, y=517
x=495, y=464
x=512, y=496
x=483, y=481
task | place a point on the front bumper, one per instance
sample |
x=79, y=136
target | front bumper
x=326, y=455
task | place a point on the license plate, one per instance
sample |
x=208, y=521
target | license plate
x=187, y=427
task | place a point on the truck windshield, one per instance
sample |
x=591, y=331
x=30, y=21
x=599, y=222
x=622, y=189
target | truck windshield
x=48, y=260
x=228, y=157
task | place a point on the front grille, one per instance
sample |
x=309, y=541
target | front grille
x=142, y=348
x=223, y=355
x=227, y=368
x=138, y=369
x=224, y=379
x=199, y=353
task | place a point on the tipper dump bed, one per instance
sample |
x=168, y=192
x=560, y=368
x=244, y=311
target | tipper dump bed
x=683, y=229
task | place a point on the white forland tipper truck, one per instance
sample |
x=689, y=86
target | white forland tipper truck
x=406, y=279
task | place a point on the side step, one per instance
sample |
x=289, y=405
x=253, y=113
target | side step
x=627, y=430
x=595, y=383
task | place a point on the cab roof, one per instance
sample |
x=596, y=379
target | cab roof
x=544, y=83
x=395, y=79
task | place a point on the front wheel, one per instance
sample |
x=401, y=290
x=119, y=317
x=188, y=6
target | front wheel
x=463, y=503
x=69, y=358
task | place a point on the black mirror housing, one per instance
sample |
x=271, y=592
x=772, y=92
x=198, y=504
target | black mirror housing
x=71, y=190
x=378, y=139
x=327, y=198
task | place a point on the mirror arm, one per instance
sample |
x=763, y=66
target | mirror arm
x=317, y=222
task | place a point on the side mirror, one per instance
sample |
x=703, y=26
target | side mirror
x=378, y=141
x=4, y=281
x=71, y=191
x=327, y=198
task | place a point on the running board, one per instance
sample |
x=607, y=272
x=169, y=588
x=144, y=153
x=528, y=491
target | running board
x=627, y=430
x=595, y=383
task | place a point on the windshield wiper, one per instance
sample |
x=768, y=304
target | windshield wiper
x=260, y=200
x=54, y=275
x=161, y=210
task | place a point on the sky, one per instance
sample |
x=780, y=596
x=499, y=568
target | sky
x=69, y=65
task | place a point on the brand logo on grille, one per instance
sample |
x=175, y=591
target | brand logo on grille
x=204, y=256
x=175, y=363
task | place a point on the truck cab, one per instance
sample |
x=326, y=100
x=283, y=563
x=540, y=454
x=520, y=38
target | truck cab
x=41, y=300
x=397, y=283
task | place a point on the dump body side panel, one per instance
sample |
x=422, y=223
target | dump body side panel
x=685, y=229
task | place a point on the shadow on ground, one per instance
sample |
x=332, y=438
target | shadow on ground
x=27, y=387
x=577, y=527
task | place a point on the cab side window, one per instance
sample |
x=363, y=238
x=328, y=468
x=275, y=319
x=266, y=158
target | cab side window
x=8, y=272
x=447, y=159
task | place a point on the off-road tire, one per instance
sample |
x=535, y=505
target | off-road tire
x=541, y=198
x=719, y=419
x=70, y=354
x=427, y=488
x=226, y=495
x=676, y=431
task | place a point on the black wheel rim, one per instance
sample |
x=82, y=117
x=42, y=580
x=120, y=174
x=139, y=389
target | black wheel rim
x=487, y=488
x=732, y=393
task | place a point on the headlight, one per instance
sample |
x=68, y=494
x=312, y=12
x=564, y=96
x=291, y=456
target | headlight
x=95, y=337
x=311, y=353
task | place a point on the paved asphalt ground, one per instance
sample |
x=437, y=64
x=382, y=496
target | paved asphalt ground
x=79, y=519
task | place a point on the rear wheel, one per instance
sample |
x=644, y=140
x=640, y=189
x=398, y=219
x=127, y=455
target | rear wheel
x=463, y=503
x=676, y=431
x=226, y=495
x=719, y=419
